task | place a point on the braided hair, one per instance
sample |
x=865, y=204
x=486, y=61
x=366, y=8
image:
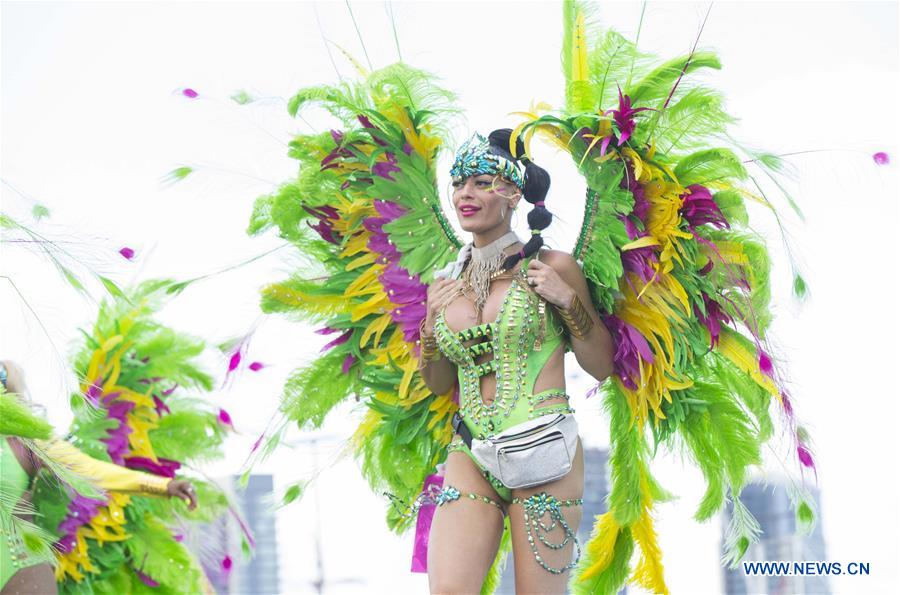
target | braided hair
x=537, y=183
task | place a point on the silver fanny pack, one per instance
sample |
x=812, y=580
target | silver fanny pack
x=531, y=453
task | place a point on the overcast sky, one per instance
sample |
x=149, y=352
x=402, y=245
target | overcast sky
x=92, y=119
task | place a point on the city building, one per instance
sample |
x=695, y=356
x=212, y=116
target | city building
x=771, y=505
x=257, y=575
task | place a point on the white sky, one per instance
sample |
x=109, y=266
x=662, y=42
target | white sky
x=91, y=121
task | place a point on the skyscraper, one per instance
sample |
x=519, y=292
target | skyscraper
x=254, y=576
x=259, y=576
x=771, y=505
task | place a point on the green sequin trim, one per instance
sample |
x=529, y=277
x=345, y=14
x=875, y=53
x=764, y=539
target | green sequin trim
x=587, y=228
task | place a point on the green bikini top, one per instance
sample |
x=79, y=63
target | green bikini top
x=522, y=340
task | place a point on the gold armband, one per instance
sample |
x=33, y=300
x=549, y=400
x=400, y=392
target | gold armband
x=154, y=484
x=429, y=346
x=576, y=318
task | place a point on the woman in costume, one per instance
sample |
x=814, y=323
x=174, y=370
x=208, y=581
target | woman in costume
x=23, y=571
x=672, y=268
x=533, y=300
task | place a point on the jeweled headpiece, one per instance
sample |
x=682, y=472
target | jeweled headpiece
x=476, y=157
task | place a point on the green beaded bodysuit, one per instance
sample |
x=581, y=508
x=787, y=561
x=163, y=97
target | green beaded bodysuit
x=522, y=339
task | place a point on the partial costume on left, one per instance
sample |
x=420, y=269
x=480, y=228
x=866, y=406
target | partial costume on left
x=22, y=543
x=131, y=411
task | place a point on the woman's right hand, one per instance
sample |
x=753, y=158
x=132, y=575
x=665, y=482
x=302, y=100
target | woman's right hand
x=441, y=292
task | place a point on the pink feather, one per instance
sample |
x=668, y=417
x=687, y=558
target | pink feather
x=805, y=457
x=765, y=364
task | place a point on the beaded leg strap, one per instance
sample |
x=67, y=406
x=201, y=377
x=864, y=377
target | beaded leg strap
x=439, y=496
x=536, y=508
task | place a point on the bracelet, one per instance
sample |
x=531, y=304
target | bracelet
x=154, y=484
x=429, y=346
x=576, y=318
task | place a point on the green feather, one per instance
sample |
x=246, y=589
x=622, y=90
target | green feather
x=611, y=579
x=709, y=165
x=658, y=84
x=742, y=530
x=731, y=203
x=154, y=552
x=626, y=459
x=307, y=400
x=721, y=440
x=612, y=62
x=689, y=122
x=188, y=433
x=16, y=419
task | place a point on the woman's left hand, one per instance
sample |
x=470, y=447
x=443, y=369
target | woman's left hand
x=548, y=284
x=180, y=488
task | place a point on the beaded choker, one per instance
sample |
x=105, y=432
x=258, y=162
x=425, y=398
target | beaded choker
x=483, y=264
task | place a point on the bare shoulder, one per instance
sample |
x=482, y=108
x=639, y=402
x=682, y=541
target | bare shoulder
x=562, y=262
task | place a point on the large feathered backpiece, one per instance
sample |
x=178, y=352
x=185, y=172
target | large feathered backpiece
x=682, y=284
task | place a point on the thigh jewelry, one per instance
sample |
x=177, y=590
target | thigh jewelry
x=436, y=496
x=538, y=506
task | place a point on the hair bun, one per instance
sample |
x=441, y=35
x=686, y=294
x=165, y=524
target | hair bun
x=499, y=139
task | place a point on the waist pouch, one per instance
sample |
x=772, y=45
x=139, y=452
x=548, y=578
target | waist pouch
x=531, y=453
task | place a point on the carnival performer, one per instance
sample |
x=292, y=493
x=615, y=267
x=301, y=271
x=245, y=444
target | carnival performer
x=456, y=351
x=22, y=572
x=533, y=301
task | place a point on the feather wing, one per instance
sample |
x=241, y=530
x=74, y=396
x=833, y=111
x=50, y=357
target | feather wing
x=680, y=280
x=365, y=204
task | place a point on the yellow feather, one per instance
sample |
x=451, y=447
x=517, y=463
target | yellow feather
x=590, y=147
x=730, y=347
x=376, y=328
x=355, y=245
x=444, y=407
x=359, y=67
x=514, y=136
x=602, y=544
x=378, y=303
x=579, y=51
x=423, y=144
x=640, y=243
x=636, y=162
x=408, y=372
x=110, y=343
x=365, y=259
x=313, y=303
x=555, y=136
x=366, y=284
x=649, y=571
x=365, y=430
